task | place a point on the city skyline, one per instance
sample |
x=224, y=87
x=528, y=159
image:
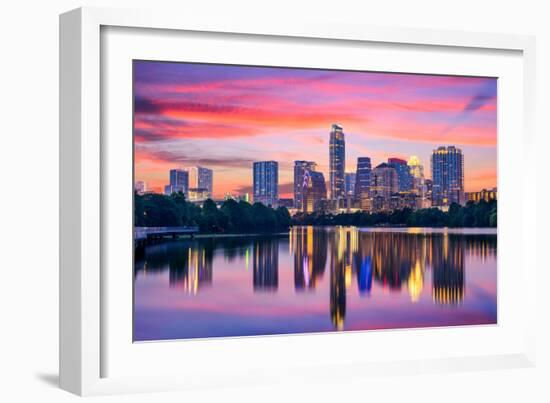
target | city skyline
x=211, y=116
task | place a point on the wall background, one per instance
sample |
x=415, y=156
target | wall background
x=29, y=196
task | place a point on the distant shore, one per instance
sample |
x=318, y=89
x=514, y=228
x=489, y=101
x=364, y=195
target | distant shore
x=385, y=228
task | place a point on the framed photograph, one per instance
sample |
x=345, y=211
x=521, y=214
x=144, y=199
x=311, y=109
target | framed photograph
x=237, y=197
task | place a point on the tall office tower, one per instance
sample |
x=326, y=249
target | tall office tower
x=363, y=178
x=314, y=191
x=447, y=176
x=179, y=181
x=299, y=168
x=384, y=181
x=349, y=183
x=201, y=178
x=417, y=172
x=337, y=162
x=404, y=177
x=266, y=183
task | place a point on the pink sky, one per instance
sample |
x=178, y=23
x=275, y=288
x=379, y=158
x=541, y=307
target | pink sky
x=226, y=117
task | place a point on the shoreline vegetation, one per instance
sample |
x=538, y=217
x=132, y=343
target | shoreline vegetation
x=243, y=218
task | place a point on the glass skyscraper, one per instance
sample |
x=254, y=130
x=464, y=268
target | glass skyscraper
x=179, y=181
x=203, y=179
x=447, y=165
x=314, y=191
x=349, y=183
x=337, y=162
x=266, y=183
x=404, y=177
x=384, y=181
x=299, y=169
x=363, y=178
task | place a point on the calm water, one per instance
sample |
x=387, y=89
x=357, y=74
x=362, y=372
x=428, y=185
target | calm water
x=315, y=280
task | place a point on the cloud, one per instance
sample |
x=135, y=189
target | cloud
x=145, y=105
x=188, y=159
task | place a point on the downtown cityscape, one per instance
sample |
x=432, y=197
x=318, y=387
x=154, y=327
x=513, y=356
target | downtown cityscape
x=275, y=200
x=392, y=185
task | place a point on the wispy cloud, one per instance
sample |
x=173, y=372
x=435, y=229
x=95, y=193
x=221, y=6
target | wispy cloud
x=226, y=117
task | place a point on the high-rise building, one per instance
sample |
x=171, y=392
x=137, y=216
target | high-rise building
x=266, y=182
x=140, y=187
x=314, y=191
x=447, y=176
x=202, y=178
x=337, y=162
x=404, y=177
x=417, y=173
x=384, y=181
x=179, y=181
x=363, y=178
x=299, y=168
x=349, y=181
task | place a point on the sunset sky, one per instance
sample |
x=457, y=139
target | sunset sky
x=226, y=117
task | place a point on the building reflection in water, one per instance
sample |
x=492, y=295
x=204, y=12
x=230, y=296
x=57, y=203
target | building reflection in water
x=189, y=265
x=396, y=261
x=362, y=260
x=266, y=264
x=309, y=248
x=448, y=270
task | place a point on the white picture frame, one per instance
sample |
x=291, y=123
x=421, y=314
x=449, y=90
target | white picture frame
x=85, y=345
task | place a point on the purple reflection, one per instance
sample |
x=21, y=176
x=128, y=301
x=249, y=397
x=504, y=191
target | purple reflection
x=314, y=280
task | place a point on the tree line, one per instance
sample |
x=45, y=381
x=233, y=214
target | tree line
x=481, y=214
x=157, y=210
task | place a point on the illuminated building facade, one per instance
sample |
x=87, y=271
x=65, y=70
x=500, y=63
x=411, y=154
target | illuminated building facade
x=203, y=178
x=404, y=177
x=266, y=183
x=447, y=176
x=337, y=163
x=349, y=180
x=179, y=182
x=299, y=168
x=314, y=191
x=485, y=194
x=198, y=194
x=384, y=181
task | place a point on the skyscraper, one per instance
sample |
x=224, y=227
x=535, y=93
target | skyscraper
x=337, y=162
x=314, y=191
x=201, y=178
x=384, y=181
x=299, y=168
x=179, y=181
x=404, y=177
x=266, y=182
x=419, y=185
x=447, y=176
x=349, y=183
x=417, y=172
x=363, y=178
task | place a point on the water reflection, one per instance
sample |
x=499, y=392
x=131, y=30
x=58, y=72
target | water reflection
x=266, y=264
x=425, y=267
